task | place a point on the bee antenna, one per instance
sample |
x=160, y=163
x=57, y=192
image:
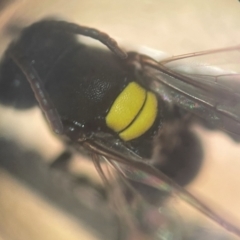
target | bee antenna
x=89, y=32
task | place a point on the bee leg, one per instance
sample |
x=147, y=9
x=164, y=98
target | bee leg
x=41, y=95
x=89, y=32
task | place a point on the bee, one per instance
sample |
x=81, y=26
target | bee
x=117, y=106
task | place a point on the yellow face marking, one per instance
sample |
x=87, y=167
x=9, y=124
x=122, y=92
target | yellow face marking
x=133, y=112
x=144, y=120
x=126, y=107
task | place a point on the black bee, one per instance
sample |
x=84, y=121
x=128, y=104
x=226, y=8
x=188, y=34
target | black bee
x=118, y=106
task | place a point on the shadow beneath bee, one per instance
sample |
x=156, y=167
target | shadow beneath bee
x=79, y=197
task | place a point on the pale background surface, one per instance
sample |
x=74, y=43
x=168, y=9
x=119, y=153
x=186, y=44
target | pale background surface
x=173, y=26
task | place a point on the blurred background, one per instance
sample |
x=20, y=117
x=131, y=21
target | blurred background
x=47, y=208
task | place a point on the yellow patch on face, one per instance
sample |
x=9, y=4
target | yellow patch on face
x=133, y=112
x=126, y=107
x=144, y=120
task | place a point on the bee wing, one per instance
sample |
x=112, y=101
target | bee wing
x=141, y=219
x=139, y=170
x=204, y=83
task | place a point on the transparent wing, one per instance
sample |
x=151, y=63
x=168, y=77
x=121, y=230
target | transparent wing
x=140, y=219
x=204, y=83
x=138, y=170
